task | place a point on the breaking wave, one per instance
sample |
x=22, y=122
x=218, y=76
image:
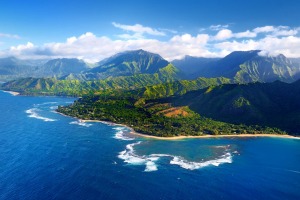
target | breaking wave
x=53, y=107
x=33, y=112
x=81, y=123
x=120, y=134
x=129, y=156
x=226, y=158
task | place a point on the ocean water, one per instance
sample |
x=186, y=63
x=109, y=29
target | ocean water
x=44, y=155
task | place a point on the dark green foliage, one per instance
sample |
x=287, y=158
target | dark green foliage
x=181, y=87
x=127, y=63
x=52, y=86
x=274, y=104
x=146, y=117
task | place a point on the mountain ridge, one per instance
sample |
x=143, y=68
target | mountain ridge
x=249, y=66
x=275, y=104
x=14, y=68
x=127, y=63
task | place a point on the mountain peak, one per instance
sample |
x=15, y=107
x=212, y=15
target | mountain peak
x=130, y=63
x=139, y=52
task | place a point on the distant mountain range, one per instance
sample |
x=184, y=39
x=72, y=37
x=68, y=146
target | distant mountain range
x=127, y=70
x=239, y=66
x=53, y=86
x=137, y=69
x=242, y=67
x=126, y=63
x=13, y=68
x=193, y=66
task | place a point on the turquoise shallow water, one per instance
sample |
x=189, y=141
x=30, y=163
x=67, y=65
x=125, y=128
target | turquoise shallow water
x=44, y=155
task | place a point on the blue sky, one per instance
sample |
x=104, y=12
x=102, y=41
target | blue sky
x=92, y=30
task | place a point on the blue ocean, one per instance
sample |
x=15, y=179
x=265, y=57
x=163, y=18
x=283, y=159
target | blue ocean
x=45, y=155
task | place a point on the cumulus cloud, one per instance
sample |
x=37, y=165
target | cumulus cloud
x=223, y=34
x=245, y=34
x=92, y=48
x=277, y=31
x=227, y=34
x=289, y=46
x=268, y=54
x=264, y=29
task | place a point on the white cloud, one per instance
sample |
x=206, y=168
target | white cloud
x=21, y=47
x=285, y=32
x=277, y=31
x=246, y=34
x=12, y=36
x=138, y=30
x=92, y=48
x=264, y=29
x=218, y=27
x=223, y=34
x=289, y=46
x=267, y=54
x=227, y=34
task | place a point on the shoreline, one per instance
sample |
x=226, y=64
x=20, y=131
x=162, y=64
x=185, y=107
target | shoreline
x=133, y=132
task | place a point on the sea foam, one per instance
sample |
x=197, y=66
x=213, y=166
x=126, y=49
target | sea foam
x=81, y=123
x=120, y=134
x=226, y=158
x=33, y=113
x=53, y=107
x=129, y=156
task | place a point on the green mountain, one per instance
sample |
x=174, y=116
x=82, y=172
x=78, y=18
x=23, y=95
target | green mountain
x=245, y=67
x=185, y=114
x=61, y=67
x=275, y=104
x=127, y=63
x=52, y=86
x=192, y=66
x=180, y=87
x=13, y=68
x=138, y=69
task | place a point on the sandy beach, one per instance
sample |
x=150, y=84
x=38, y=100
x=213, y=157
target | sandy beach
x=215, y=136
x=193, y=137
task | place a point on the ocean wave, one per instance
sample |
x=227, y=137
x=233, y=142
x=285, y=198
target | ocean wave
x=226, y=158
x=120, y=134
x=81, y=123
x=53, y=107
x=129, y=156
x=33, y=113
